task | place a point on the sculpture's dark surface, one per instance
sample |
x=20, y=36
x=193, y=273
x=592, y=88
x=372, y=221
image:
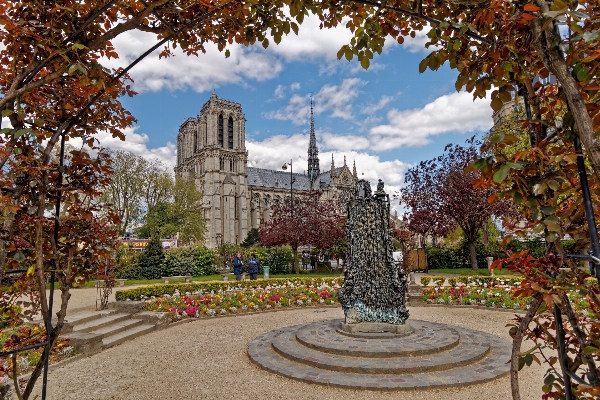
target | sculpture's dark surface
x=374, y=286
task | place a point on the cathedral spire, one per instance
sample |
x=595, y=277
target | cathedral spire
x=313, y=151
x=332, y=166
x=354, y=171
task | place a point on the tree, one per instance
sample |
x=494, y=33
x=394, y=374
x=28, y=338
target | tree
x=305, y=219
x=177, y=215
x=137, y=186
x=450, y=199
x=152, y=258
x=252, y=239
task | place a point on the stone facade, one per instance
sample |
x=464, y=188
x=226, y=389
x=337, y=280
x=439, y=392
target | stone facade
x=211, y=149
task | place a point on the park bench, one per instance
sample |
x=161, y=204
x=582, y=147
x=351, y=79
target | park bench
x=186, y=277
x=226, y=276
x=100, y=282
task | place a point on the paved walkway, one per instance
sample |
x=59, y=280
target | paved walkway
x=207, y=359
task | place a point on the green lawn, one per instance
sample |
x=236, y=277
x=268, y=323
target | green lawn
x=469, y=271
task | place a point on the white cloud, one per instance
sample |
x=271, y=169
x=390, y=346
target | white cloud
x=344, y=142
x=137, y=143
x=373, y=108
x=312, y=42
x=202, y=73
x=456, y=112
x=335, y=99
x=295, y=86
x=279, y=92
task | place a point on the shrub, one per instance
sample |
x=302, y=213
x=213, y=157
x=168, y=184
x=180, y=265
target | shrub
x=151, y=259
x=453, y=281
x=279, y=259
x=180, y=261
x=205, y=261
x=439, y=280
x=128, y=267
x=425, y=280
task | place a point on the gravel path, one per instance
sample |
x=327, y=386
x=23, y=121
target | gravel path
x=206, y=359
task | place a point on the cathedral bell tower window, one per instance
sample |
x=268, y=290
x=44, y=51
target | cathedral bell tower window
x=220, y=130
x=230, y=132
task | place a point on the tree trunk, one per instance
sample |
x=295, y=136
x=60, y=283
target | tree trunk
x=295, y=262
x=545, y=45
x=473, y=255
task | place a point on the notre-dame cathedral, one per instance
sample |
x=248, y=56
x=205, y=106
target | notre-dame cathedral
x=236, y=198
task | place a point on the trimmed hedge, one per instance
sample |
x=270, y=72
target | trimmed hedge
x=161, y=289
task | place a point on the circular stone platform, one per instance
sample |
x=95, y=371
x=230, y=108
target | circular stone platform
x=433, y=356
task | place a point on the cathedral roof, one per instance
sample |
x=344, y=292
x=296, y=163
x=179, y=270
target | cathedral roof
x=269, y=178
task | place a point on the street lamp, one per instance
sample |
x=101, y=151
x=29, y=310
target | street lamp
x=284, y=167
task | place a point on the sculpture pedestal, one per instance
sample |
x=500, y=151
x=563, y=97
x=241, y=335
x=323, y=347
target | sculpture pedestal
x=376, y=327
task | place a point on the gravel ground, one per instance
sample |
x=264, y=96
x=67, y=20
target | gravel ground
x=206, y=359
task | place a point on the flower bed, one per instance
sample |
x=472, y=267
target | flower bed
x=27, y=360
x=203, y=303
x=217, y=286
x=496, y=295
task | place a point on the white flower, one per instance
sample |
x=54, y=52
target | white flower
x=255, y=307
x=299, y=302
x=268, y=306
x=322, y=301
x=223, y=311
x=233, y=309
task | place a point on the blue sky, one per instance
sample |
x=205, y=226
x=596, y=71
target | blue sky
x=385, y=119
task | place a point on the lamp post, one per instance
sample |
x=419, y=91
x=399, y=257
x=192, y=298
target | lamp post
x=284, y=167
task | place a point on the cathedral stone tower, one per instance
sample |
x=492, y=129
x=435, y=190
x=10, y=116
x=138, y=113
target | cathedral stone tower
x=212, y=150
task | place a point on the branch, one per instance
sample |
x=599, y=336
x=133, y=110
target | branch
x=516, y=348
x=420, y=16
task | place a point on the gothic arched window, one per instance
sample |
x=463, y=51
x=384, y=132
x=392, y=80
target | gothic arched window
x=221, y=130
x=230, y=132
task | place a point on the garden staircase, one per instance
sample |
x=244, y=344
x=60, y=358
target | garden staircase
x=93, y=331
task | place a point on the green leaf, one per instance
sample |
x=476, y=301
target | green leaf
x=548, y=210
x=364, y=62
x=78, y=46
x=521, y=363
x=551, y=237
x=423, y=65
x=582, y=74
x=540, y=188
x=19, y=256
x=6, y=113
x=549, y=380
x=349, y=54
x=554, y=185
x=507, y=67
x=501, y=174
x=590, y=350
x=589, y=36
x=515, y=165
x=227, y=53
x=497, y=104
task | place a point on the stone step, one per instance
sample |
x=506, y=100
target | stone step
x=77, y=318
x=117, y=327
x=427, y=338
x=126, y=335
x=97, y=323
x=471, y=349
x=485, y=370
